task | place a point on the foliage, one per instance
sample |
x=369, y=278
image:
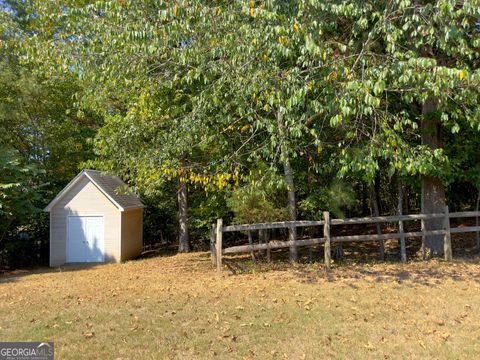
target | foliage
x=43, y=138
x=15, y=193
x=335, y=197
x=392, y=57
x=259, y=201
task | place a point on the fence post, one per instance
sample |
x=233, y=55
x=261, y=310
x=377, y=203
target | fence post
x=376, y=212
x=403, y=251
x=250, y=243
x=219, y=244
x=447, y=240
x=213, y=251
x=477, y=205
x=424, y=239
x=326, y=235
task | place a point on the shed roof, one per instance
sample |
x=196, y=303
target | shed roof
x=110, y=185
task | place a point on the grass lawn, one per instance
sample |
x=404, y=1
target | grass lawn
x=178, y=307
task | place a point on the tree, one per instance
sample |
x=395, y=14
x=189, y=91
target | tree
x=408, y=71
x=44, y=136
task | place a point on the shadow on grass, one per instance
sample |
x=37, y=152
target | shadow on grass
x=159, y=251
x=14, y=275
x=361, y=261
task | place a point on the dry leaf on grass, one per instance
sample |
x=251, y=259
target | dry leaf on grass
x=445, y=336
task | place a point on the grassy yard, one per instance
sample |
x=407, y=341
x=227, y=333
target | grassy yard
x=178, y=307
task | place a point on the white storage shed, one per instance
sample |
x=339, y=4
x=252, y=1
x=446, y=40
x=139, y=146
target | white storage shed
x=95, y=218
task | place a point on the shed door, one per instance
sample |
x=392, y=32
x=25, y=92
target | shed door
x=85, y=239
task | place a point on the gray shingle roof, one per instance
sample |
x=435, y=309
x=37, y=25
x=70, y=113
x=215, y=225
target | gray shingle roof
x=110, y=185
x=114, y=187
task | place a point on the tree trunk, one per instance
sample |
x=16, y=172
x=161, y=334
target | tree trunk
x=183, y=238
x=288, y=171
x=433, y=192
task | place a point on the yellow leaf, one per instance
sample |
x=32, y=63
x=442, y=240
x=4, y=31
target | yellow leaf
x=175, y=9
x=461, y=74
x=445, y=336
x=295, y=28
x=245, y=128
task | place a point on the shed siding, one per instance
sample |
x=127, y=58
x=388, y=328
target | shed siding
x=132, y=233
x=82, y=200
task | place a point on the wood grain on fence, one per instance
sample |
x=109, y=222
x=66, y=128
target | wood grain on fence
x=326, y=235
x=447, y=242
x=218, y=244
x=213, y=251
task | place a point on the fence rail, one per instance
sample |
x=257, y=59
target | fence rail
x=216, y=241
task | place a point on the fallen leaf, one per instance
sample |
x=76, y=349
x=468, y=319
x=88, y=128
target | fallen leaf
x=445, y=336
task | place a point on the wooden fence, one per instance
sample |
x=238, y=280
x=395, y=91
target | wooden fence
x=217, y=250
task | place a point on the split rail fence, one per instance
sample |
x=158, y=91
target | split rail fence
x=218, y=229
